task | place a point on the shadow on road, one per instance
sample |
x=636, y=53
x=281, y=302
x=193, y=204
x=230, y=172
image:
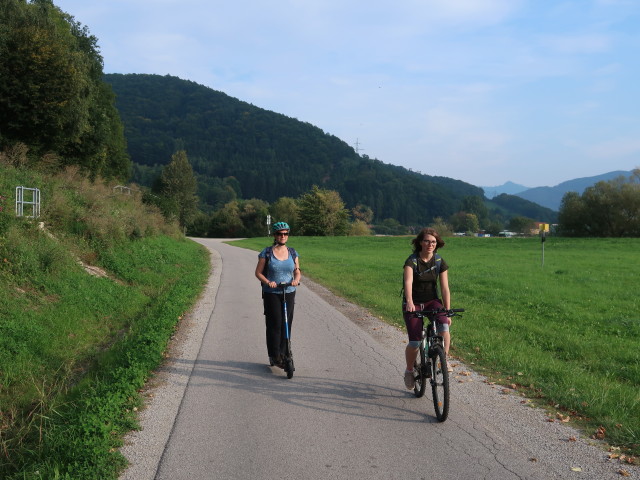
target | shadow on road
x=338, y=396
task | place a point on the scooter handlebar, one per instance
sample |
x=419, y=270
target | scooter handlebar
x=288, y=284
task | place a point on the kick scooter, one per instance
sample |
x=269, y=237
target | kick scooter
x=288, y=355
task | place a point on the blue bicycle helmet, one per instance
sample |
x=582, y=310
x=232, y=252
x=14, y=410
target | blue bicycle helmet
x=280, y=226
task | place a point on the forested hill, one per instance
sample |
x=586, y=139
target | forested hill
x=268, y=154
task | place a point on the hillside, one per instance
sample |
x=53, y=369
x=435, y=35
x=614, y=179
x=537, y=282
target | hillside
x=506, y=203
x=266, y=155
x=91, y=293
x=551, y=197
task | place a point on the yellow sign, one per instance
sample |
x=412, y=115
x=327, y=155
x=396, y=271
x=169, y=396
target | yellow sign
x=544, y=227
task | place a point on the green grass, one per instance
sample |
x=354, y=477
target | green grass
x=567, y=333
x=76, y=348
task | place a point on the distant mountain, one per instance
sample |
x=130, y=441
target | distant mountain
x=509, y=188
x=551, y=197
x=238, y=150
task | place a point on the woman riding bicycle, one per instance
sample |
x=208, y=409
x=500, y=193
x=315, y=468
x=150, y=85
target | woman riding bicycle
x=422, y=270
x=278, y=264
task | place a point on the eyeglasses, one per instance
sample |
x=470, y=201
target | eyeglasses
x=282, y=234
x=433, y=242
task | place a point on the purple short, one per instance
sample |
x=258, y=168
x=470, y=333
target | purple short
x=414, y=323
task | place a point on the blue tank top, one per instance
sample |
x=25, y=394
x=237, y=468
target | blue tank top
x=279, y=271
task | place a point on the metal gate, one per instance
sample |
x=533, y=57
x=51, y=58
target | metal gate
x=27, y=196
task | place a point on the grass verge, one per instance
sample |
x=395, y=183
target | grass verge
x=75, y=348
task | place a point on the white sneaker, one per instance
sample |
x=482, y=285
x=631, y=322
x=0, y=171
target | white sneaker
x=409, y=380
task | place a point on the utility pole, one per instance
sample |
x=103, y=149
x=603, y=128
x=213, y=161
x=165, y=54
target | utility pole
x=358, y=149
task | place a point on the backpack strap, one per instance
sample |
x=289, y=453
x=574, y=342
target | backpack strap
x=267, y=256
x=438, y=263
x=414, y=262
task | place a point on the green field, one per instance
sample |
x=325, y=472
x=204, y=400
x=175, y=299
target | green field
x=567, y=332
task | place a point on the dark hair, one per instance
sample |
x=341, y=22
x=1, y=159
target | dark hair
x=426, y=231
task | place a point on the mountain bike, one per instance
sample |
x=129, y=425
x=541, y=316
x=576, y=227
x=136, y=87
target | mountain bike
x=432, y=362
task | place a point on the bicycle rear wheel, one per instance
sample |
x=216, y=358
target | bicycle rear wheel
x=420, y=369
x=440, y=382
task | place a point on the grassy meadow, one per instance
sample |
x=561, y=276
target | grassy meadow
x=566, y=332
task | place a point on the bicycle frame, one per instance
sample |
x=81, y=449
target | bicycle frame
x=433, y=362
x=429, y=329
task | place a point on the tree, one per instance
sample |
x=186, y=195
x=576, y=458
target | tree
x=475, y=204
x=521, y=224
x=493, y=227
x=322, y=213
x=606, y=209
x=573, y=220
x=52, y=96
x=253, y=214
x=42, y=78
x=465, y=222
x=443, y=228
x=226, y=222
x=359, y=228
x=199, y=225
x=362, y=212
x=178, y=187
x=285, y=209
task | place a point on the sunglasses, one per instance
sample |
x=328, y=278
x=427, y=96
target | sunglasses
x=282, y=234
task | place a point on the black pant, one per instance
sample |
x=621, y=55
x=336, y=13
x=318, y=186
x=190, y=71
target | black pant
x=274, y=321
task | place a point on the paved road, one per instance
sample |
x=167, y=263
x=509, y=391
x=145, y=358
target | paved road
x=218, y=411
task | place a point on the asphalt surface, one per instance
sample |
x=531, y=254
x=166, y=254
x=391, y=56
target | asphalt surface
x=217, y=410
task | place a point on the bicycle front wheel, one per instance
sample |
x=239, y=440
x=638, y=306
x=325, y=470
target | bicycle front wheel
x=440, y=382
x=421, y=372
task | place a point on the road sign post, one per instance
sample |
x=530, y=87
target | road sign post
x=544, y=228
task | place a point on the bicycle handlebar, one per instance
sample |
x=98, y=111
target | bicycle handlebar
x=452, y=312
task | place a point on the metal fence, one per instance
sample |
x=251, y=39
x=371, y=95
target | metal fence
x=29, y=197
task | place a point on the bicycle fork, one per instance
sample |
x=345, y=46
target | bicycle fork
x=427, y=359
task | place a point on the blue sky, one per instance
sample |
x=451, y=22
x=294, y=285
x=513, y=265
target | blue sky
x=486, y=91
